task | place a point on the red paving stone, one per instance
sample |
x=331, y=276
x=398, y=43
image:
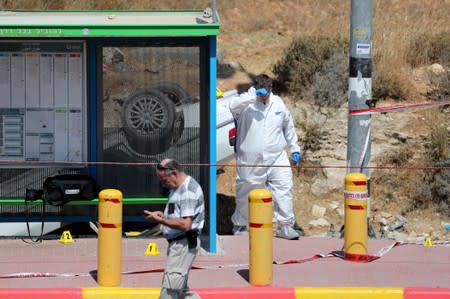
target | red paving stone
x=406, y=265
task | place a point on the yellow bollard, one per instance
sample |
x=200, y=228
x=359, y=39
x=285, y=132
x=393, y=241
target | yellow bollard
x=260, y=243
x=355, y=221
x=109, y=237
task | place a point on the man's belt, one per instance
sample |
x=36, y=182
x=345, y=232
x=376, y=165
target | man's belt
x=190, y=235
x=177, y=238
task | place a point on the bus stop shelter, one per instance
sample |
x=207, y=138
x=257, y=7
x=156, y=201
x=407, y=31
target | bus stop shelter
x=109, y=94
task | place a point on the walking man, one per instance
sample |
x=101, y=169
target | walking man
x=182, y=221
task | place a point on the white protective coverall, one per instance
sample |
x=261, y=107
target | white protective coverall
x=263, y=131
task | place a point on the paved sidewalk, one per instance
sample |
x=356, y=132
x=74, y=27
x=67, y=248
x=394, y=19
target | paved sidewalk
x=302, y=264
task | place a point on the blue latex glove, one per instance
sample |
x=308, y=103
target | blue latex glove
x=296, y=157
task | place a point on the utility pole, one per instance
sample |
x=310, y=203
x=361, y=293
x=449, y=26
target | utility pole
x=214, y=8
x=360, y=91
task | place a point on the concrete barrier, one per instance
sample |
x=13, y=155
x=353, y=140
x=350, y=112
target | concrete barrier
x=120, y=293
x=348, y=293
x=427, y=293
x=266, y=292
x=44, y=293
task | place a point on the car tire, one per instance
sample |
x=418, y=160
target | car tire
x=178, y=96
x=148, y=120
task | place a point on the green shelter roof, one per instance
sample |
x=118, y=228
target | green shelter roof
x=21, y=23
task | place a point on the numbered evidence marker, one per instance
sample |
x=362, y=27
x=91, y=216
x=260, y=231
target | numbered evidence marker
x=152, y=249
x=428, y=242
x=66, y=237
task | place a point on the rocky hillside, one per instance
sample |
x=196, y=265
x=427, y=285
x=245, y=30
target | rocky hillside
x=250, y=44
x=319, y=200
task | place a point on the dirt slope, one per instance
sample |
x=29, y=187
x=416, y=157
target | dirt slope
x=391, y=190
x=252, y=47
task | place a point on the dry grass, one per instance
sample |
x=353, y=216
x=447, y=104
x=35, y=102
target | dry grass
x=438, y=150
x=394, y=24
x=393, y=189
x=252, y=24
x=103, y=4
x=397, y=23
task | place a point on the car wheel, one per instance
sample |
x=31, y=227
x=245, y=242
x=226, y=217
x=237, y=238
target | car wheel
x=148, y=120
x=178, y=96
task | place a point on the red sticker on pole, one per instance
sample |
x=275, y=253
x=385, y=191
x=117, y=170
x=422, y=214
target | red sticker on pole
x=355, y=207
x=113, y=200
x=259, y=200
x=260, y=225
x=110, y=225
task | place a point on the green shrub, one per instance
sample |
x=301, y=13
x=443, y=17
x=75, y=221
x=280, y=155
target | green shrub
x=387, y=185
x=438, y=149
x=442, y=90
x=312, y=129
x=435, y=187
x=318, y=67
x=302, y=59
x=388, y=85
x=330, y=85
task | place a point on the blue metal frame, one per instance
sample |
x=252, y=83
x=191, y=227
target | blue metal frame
x=92, y=83
x=92, y=122
x=212, y=147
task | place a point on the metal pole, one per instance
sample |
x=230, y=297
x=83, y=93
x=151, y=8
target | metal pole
x=360, y=89
x=214, y=8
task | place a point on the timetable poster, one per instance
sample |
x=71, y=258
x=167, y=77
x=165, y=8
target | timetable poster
x=42, y=98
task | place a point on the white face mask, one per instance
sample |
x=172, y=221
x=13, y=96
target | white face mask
x=262, y=99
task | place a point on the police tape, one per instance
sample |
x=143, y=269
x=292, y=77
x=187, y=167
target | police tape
x=336, y=253
x=365, y=258
x=398, y=108
x=231, y=165
x=41, y=274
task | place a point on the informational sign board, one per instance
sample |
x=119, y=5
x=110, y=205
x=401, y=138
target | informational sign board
x=42, y=101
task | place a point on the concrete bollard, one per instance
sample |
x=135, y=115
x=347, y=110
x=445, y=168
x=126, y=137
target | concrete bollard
x=109, y=238
x=260, y=237
x=355, y=220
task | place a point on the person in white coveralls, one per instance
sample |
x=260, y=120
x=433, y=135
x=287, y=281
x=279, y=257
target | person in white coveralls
x=264, y=128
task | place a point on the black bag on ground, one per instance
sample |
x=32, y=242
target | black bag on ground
x=33, y=194
x=61, y=189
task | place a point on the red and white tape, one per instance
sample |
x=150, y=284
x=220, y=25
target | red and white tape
x=339, y=254
x=398, y=108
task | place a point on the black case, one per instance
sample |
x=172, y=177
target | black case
x=61, y=189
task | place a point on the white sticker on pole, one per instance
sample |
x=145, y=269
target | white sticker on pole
x=363, y=49
x=356, y=195
x=361, y=87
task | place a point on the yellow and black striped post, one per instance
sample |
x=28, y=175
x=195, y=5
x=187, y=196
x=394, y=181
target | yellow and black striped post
x=260, y=239
x=109, y=238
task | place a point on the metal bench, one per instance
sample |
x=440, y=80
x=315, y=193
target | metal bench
x=54, y=216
